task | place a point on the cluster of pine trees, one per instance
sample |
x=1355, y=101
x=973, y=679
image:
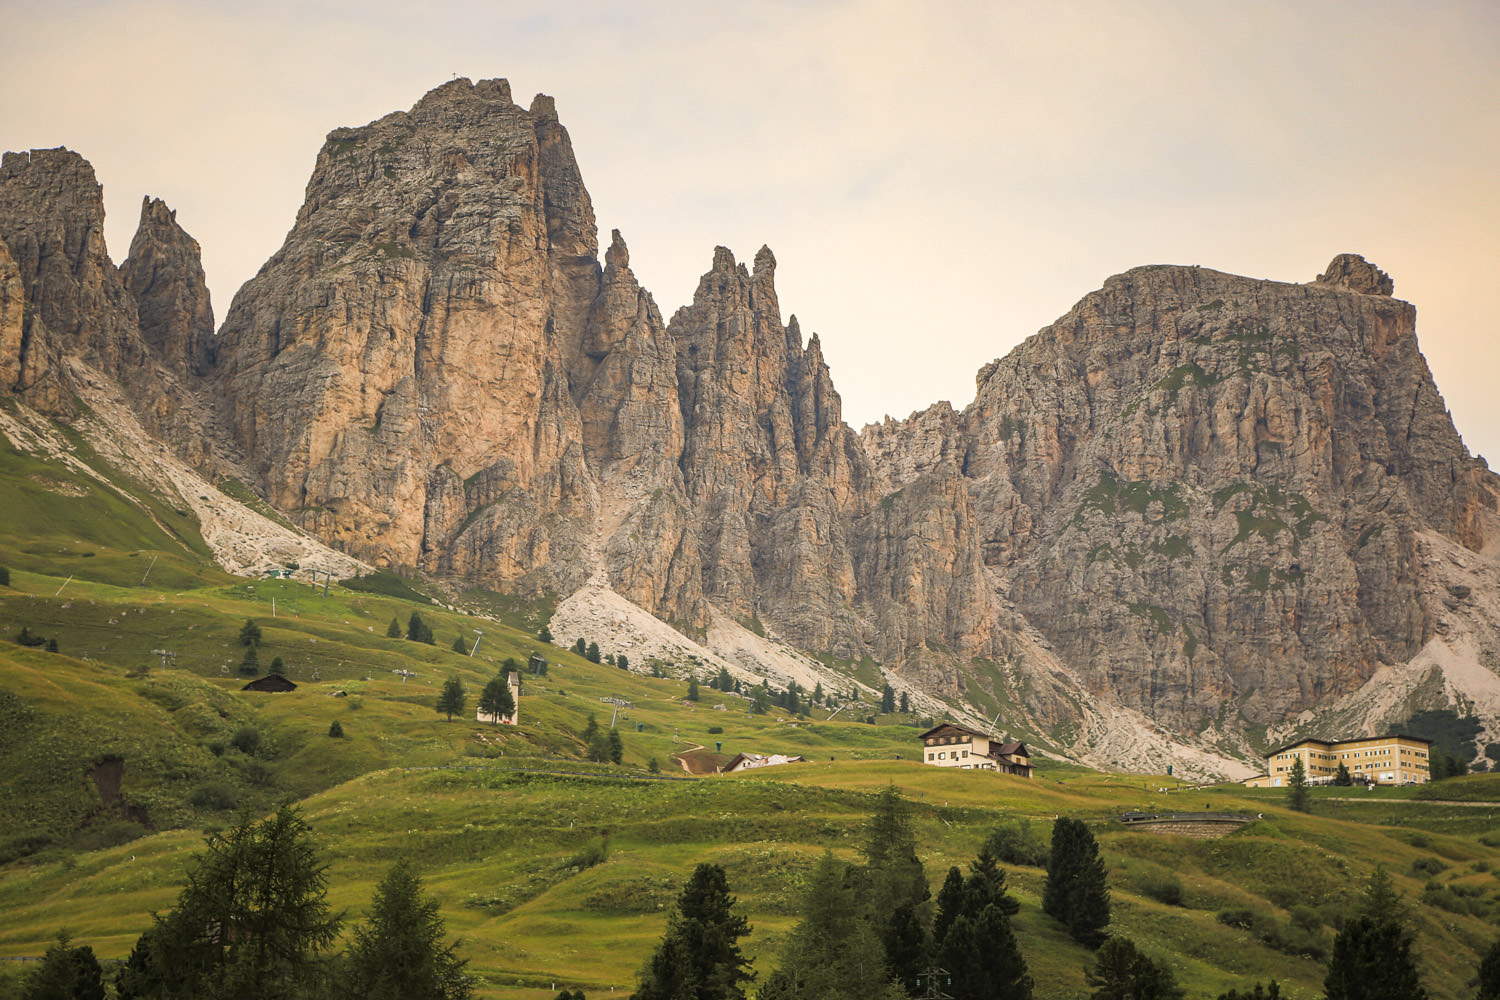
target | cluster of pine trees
x=253, y=923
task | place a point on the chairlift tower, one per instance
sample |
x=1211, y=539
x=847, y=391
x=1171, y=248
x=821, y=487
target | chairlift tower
x=480, y=633
x=165, y=654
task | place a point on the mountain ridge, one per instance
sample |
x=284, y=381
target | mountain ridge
x=1207, y=501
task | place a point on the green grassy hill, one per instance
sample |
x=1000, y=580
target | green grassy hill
x=557, y=871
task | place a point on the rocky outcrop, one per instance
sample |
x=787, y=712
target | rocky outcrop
x=164, y=274
x=1197, y=498
x=1203, y=489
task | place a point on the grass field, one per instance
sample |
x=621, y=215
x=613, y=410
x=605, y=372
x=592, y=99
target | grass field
x=555, y=871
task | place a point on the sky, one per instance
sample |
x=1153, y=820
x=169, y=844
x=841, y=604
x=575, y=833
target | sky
x=937, y=179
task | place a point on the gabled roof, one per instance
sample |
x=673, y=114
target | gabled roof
x=944, y=728
x=1014, y=748
x=1351, y=739
x=271, y=682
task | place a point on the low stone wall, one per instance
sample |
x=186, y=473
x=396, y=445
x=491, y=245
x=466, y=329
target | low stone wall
x=1202, y=825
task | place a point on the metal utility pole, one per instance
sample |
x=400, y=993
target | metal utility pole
x=932, y=981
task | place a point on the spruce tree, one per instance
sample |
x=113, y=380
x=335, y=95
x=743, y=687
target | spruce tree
x=692, y=690
x=1075, y=892
x=399, y=952
x=1296, y=787
x=496, y=699
x=451, y=700
x=458, y=644
x=616, y=746
x=419, y=631
x=65, y=973
x=394, y=630
x=544, y=634
x=277, y=668
x=1343, y=779
x=1122, y=972
x=699, y=957
x=888, y=700
x=592, y=652
x=1372, y=957
x=1489, y=974
x=580, y=646
x=972, y=936
x=250, y=633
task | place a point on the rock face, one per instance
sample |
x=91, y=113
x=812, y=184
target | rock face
x=77, y=304
x=1204, y=489
x=164, y=274
x=1207, y=498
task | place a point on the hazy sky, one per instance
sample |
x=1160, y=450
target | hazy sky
x=937, y=180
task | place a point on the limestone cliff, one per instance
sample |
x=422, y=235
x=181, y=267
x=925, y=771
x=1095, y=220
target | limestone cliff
x=164, y=274
x=1204, y=489
x=1198, y=499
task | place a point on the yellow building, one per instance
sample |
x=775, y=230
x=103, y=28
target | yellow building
x=952, y=745
x=1379, y=760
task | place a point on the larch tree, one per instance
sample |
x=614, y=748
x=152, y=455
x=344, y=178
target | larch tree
x=251, y=923
x=399, y=952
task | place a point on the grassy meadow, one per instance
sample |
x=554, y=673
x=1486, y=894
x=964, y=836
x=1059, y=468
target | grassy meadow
x=115, y=764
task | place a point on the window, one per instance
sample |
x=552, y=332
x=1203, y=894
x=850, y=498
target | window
x=931, y=755
x=940, y=756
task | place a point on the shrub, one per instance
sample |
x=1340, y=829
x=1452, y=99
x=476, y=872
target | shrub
x=4, y=577
x=246, y=740
x=589, y=855
x=715, y=730
x=212, y=795
x=1015, y=844
x=1163, y=887
x=1428, y=866
x=23, y=845
x=335, y=729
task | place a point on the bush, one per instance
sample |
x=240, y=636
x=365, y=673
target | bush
x=1428, y=866
x=715, y=730
x=246, y=740
x=212, y=795
x=1015, y=844
x=23, y=845
x=591, y=854
x=4, y=577
x=1163, y=887
x=110, y=834
x=335, y=729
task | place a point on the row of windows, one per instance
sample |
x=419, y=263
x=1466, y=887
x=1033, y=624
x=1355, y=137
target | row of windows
x=942, y=755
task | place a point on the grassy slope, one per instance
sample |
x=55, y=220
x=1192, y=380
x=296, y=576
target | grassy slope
x=499, y=847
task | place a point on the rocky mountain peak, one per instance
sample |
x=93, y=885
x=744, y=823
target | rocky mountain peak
x=164, y=274
x=1351, y=271
x=52, y=221
x=618, y=255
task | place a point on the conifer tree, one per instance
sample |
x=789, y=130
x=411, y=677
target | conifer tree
x=1296, y=787
x=692, y=690
x=580, y=646
x=419, y=631
x=699, y=957
x=250, y=923
x=888, y=699
x=1122, y=972
x=394, y=630
x=1075, y=892
x=1343, y=779
x=834, y=954
x=1372, y=957
x=458, y=644
x=544, y=634
x=1489, y=974
x=896, y=897
x=616, y=747
x=451, y=700
x=972, y=936
x=496, y=699
x=250, y=633
x=65, y=973
x=277, y=668
x=592, y=652
x=399, y=952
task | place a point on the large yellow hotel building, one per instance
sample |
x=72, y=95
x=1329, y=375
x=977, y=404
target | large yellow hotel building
x=1379, y=760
